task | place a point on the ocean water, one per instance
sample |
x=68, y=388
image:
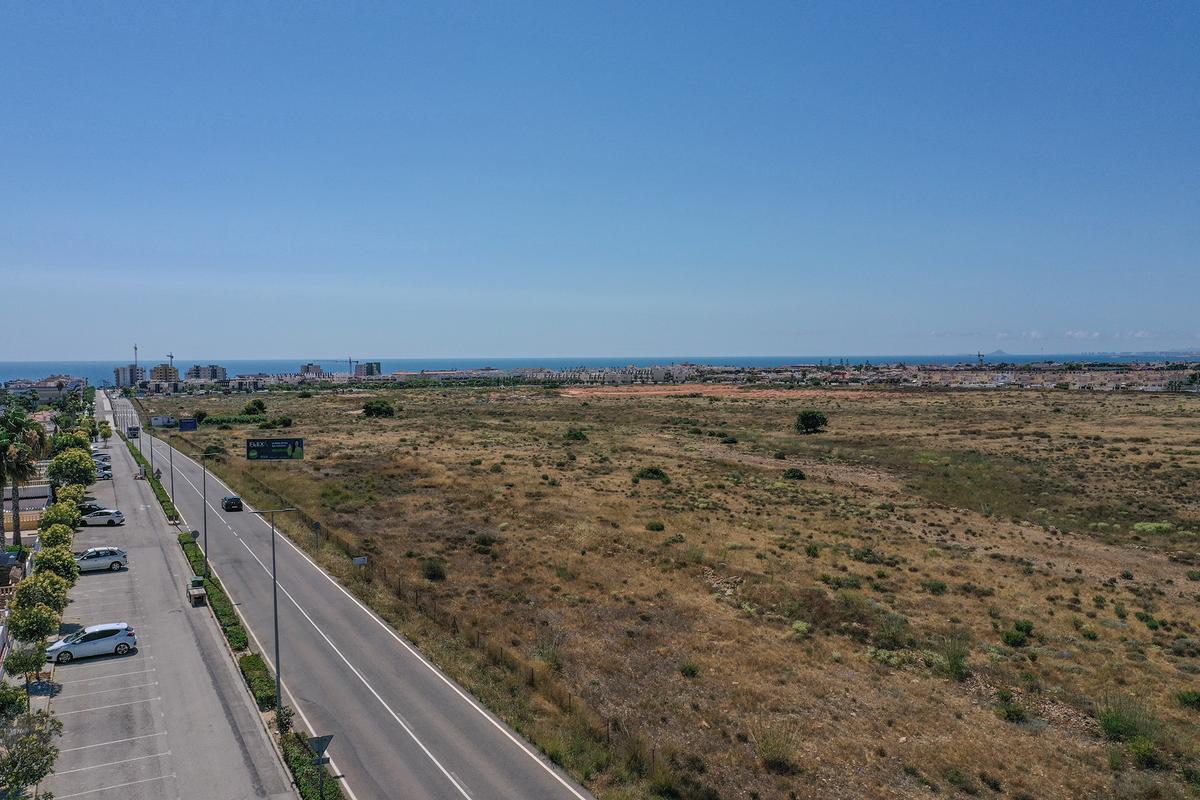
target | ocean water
x=98, y=372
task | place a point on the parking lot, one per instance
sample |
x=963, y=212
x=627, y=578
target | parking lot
x=171, y=718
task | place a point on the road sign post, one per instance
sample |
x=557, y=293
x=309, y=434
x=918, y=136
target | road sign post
x=319, y=745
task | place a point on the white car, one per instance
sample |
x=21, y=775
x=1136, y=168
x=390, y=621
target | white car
x=100, y=558
x=105, y=457
x=94, y=640
x=105, y=516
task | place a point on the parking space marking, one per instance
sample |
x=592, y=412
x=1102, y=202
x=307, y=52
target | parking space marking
x=115, y=786
x=112, y=763
x=102, y=708
x=105, y=691
x=105, y=677
x=114, y=741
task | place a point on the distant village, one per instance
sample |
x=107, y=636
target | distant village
x=1144, y=377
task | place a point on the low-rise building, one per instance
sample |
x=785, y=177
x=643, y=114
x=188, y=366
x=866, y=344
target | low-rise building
x=211, y=373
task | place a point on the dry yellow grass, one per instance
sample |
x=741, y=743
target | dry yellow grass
x=923, y=514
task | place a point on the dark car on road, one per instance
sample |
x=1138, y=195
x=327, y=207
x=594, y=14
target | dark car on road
x=231, y=503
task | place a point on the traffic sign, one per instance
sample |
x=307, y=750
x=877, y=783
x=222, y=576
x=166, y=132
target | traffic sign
x=320, y=744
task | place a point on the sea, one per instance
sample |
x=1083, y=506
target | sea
x=100, y=373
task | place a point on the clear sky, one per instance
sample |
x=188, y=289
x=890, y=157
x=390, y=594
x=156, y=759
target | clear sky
x=567, y=178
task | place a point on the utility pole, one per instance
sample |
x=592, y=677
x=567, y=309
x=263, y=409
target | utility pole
x=275, y=605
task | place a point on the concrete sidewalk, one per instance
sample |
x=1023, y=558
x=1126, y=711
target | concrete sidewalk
x=172, y=719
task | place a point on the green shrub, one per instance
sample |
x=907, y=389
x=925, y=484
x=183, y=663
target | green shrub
x=794, y=474
x=45, y=587
x=254, y=407
x=1008, y=708
x=1145, y=752
x=218, y=601
x=259, y=678
x=1189, y=698
x=378, y=408
x=433, y=569
x=1123, y=717
x=34, y=623
x=655, y=525
x=71, y=493
x=812, y=550
x=652, y=474
x=934, y=587
x=689, y=669
x=954, y=649
x=776, y=746
x=298, y=757
x=60, y=561
x=575, y=435
x=961, y=781
x=60, y=514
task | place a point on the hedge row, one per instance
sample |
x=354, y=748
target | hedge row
x=259, y=679
x=299, y=756
x=220, y=603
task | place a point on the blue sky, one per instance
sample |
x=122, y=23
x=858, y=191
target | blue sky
x=453, y=179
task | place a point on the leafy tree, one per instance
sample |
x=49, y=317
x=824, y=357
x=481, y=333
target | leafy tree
x=45, y=588
x=33, y=624
x=105, y=430
x=22, y=442
x=12, y=699
x=72, y=466
x=69, y=440
x=810, y=421
x=57, y=535
x=61, y=513
x=200, y=416
x=73, y=493
x=254, y=407
x=59, y=560
x=378, y=408
x=23, y=660
x=27, y=751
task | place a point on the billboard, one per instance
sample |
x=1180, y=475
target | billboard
x=162, y=422
x=274, y=449
x=132, y=432
x=187, y=424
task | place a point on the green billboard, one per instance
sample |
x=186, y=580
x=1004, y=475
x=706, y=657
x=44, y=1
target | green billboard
x=274, y=449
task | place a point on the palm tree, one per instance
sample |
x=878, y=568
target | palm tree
x=22, y=442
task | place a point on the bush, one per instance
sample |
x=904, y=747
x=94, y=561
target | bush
x=433, y=569
x=934, y=587
x=1123, y=717
x=575, y=435
x=1145, y=752
x=794, y=474
x=73, y=493
x=776, y=748
x=298, y=757
x=60, y=561
x=1189, y=698
x=688, y=669
x=810, y=421
x=57, y=535
x=655, y=525
x=1008, y=708
x=954, y=649
x=254, y=408
x=60, y=514
x=652, y=474
x=259, y=679
x=44, y=588
x=961, y=781
x=218, y=601
x=199, y=416
x=378, y=408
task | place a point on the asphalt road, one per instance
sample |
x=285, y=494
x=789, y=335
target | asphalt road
x=172, y=719
x=402, y=729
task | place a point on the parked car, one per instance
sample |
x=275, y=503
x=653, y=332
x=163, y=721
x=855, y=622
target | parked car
x=101, y=558
x=105, y=457
x=231, y=503
x=89, y=507
x=105, y=516
x=103, y=475
x=94, y=640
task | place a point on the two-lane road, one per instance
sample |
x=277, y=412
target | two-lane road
x=402, y=728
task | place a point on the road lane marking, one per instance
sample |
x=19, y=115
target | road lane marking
x=112, y=763
x=115, y=786
x=114, y=741
x=383, y=624
x=102, y=708
x=365, y=682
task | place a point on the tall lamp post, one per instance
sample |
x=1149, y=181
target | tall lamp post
x=275, y=605
x=204, y=501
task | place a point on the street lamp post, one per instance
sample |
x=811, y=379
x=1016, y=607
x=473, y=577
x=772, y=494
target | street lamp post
x=275, y=605
x=204, y=502
x=171, y=460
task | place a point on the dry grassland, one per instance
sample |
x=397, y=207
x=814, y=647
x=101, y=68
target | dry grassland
x=776, y=637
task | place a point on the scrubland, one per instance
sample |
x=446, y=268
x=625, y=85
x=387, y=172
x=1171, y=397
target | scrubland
x=981, y=593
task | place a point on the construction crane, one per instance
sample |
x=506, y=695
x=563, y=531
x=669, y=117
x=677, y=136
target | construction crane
x=171, y=358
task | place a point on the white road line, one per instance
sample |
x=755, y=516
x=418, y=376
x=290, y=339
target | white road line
x=114, y=741
x=365, y=682
x=383, y=624
x=112, y=763
x=102, y=708
x=115, y=786
x=104, y=677
x=62, y=697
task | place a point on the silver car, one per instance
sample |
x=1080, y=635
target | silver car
x=94, y=640
x=105, y=516
x=100, y=558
